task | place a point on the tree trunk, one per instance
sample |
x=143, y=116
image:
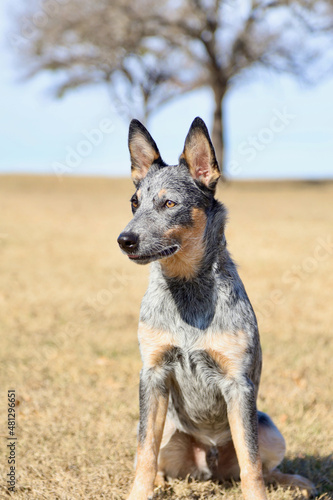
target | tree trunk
x=145, y=115
x=217, y=134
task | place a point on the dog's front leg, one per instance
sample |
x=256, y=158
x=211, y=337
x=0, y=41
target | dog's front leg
x=153, y=408
x=243, y=421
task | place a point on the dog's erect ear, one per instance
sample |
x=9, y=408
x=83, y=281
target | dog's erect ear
x=200, y=156
x=143, y=151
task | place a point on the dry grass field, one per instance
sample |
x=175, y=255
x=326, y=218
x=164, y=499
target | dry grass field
x=69, y=306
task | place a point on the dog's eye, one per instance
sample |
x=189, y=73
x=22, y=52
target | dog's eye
x=135, y=203
x=169, y=204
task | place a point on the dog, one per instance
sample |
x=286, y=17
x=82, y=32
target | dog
x=198, y=334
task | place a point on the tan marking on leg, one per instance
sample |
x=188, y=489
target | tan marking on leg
x=185, y=263
x=157, y=356
x=146, y=468
x=159, y=480
x=153, y=344
x=230, y=366
x=169, y=430
x=227, y=349
x=252, y=482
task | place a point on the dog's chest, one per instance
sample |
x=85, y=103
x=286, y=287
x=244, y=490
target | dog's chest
x=210, y=352
x=196, y=403
x=196, y=371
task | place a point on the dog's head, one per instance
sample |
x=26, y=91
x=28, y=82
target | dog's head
x=171, y=203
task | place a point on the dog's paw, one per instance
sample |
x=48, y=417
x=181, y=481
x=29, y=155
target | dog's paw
x=306, y=487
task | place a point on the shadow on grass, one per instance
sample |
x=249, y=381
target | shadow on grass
x=319, y=469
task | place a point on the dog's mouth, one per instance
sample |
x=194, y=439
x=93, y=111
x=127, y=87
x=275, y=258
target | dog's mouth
x=143, y=259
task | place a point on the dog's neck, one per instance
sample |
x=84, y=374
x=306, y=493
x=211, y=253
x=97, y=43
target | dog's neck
x=196, y=298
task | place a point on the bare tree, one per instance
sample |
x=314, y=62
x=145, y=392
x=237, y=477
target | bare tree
x=149, y=52
x=110, y=41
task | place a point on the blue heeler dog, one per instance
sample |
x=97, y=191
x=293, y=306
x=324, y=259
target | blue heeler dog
x=198, y=333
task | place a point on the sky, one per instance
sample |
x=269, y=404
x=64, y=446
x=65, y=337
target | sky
x=275, y=128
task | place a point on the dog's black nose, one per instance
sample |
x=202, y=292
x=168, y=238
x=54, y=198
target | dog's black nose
x=128, y=242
